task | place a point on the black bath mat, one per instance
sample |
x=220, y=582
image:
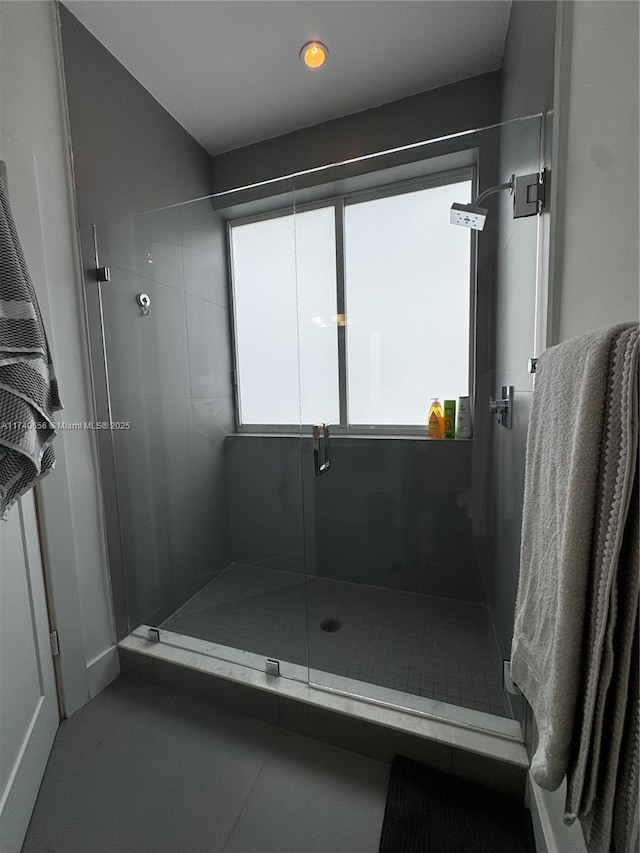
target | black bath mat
x=429, y=811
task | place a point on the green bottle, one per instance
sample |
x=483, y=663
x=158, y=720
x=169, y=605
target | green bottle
x=449, y=418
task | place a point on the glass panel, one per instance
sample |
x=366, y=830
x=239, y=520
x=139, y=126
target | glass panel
x=208, y=522
x=412, y=543
x=315, y=259
x=401, y=251
x=392, y=574
x=270, y=345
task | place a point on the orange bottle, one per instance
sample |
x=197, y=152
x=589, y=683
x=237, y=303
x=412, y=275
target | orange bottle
x=435, y=419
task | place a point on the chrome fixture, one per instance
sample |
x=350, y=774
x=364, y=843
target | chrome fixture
x=272, y=667
x=472, y=215
x=533, y=365
x=321, y=449
x=528, y=199
x=508, y=683
x=503, y=408
x=468, y=215
x=144, y=301
x=103, y=274
x=153, y=635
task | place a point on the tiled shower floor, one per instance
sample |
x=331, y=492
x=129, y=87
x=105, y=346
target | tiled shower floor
x=440, y=648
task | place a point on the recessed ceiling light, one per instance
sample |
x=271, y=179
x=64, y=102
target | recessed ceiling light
x=314, y=54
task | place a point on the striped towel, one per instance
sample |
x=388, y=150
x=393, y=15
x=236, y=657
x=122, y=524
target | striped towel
x=28, y=386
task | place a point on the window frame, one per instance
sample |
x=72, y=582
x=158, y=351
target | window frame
x=339, y=202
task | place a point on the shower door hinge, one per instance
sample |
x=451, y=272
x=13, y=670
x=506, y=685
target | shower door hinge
x=530, y=194
x=103, y=274
x=55, y=645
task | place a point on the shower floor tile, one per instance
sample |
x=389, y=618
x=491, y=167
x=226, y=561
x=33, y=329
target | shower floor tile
x=435, y=647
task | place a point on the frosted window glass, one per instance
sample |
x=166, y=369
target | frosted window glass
x=407, y=285
x=284, y=282
x=317, y=307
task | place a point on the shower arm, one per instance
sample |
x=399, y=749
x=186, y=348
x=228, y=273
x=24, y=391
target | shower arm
x=508, y=186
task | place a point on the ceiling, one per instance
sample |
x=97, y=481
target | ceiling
x=229, y=70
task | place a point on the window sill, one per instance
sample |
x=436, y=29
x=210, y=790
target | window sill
x=353, y=436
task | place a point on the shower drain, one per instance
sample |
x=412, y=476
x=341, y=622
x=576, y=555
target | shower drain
x=330, y=625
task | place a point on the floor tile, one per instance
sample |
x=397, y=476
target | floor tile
x=312, y=798
x=78, y=736
x=171, y=777
x=398, y=638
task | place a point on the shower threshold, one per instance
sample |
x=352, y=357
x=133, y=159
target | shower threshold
x=462, y=728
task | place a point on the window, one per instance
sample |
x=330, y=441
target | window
x=355, y=312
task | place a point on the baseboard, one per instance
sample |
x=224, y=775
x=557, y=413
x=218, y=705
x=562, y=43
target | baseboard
x=547, y=810
x=102, y=670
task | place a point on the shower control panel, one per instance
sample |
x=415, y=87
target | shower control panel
x=503, y=409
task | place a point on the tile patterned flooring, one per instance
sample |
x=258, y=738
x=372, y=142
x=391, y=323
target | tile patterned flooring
x=440, y=648
x=142, y=769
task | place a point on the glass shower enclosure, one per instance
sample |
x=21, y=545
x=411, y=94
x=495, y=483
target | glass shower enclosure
x=266, y=358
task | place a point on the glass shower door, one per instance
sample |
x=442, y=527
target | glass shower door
x=407, y=591
x=203, y=503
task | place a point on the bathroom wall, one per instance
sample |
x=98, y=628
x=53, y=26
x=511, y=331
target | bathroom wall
x=528, y=61
x=169, y=372
x=465, y=105
x=34, y=144
x=170, y=377
x=528, y=67
x=595, y=261
x=393, y=512
x=129, y=154
x=373, y=520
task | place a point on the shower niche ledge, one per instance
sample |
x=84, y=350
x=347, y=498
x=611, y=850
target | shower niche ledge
x=448, y=725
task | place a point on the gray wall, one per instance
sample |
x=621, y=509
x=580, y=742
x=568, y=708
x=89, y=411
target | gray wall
x=527, y=78
x=170, y=371
x=392, y=512
x=596, y=266
x=129, y=154
x=528, y=61
x=460, y=106
x=267, y=503
x=170, y=376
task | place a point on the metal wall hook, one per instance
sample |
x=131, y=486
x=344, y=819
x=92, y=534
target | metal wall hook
x=503, y=408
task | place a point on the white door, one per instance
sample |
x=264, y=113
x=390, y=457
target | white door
x=29, y=714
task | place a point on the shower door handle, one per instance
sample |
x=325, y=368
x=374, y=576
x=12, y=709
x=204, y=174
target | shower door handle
x=321, y=449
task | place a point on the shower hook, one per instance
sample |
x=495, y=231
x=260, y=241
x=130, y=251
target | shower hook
x=144, y=302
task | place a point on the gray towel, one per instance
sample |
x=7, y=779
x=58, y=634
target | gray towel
x=562, y=483
x=28, y=387
x=596, y=773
